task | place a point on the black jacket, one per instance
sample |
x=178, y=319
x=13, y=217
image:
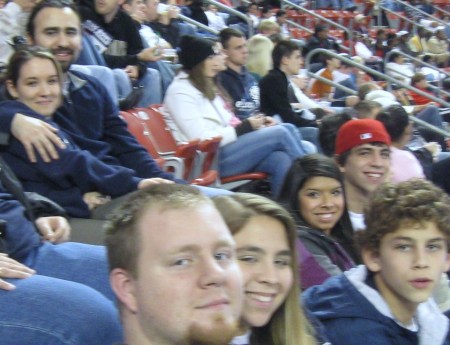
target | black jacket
x=275, y=99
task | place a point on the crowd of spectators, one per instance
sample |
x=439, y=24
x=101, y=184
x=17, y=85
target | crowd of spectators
x=336, y=143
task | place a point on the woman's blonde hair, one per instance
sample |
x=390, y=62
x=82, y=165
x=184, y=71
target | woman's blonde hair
x=259, y=55
x=288, y=325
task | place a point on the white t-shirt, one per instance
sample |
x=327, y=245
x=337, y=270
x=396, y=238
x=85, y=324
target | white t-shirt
x=243, y=339
x=357, y=220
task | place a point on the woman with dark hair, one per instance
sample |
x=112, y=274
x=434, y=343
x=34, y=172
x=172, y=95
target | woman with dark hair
x=195, y=109
x=313, y=192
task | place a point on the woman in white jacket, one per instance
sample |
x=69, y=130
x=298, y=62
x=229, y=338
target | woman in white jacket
x=195, y=110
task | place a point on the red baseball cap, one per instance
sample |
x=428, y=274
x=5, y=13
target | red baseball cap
x=357, y=132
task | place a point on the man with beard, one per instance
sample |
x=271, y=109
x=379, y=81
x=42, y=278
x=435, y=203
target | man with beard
x=182, y=287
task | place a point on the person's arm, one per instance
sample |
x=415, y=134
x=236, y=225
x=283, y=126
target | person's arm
x=321, y=256
x=275, y=100
x=75, y=166
x=53, y=229
x=183, y=107
x=124, y=146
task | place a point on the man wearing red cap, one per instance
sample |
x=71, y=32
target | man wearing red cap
x=363, y=155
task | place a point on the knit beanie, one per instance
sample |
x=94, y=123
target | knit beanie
x=194, y=50
x=357, y=132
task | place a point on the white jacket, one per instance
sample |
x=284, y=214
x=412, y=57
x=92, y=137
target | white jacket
x=190, y=115
x=12, y=23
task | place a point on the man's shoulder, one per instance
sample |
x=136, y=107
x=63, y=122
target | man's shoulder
x=272, y=75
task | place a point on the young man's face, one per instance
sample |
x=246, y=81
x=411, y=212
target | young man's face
x=366, y=168
x=136, y=9
x=189, y=284
x=408, y=265
x=292, y=63
x=58, y=29
x=236, y=51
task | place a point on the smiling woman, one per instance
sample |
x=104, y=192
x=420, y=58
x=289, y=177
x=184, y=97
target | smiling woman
x=78, y=181
x=266, y=252
x=313, y=192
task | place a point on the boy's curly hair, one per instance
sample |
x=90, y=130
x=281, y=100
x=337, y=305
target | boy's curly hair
x=395, y=205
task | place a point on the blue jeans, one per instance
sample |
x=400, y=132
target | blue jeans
x=431, y=115
x=270, y=150
x=151, y=83
x=50, y=311
x=306, y=145
x=166, y=72
x=77, y=262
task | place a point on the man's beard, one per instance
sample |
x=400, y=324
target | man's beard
x=220, y=332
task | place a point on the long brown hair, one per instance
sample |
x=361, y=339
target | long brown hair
x=288, y=325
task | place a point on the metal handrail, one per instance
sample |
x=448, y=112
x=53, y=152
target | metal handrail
x=297, y=25
x=397, y=14
x=318, y=16
x=377, y=74
x=388, y=54
x=421, y=12
x=234, y=12
x=447, y=13
x=196, y=23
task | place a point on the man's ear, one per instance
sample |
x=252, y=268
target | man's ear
x=11, y=89
x=371, y=259
x=123, y=285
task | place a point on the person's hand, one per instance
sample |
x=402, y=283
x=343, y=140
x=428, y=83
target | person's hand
x=36, y=135
x=173, y=12
x=95, y=199
x=53, y=229
x=301, y=82
x=26, y=5
x=132, y=72
x=257, y=121
x=10, y=268
x=434, y=148
x=151, y=181
x=150, y=54
x=269, y=121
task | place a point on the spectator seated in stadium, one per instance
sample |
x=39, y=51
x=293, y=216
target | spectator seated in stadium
x=323, y=90
x=259, y=55
x=439, y=47
x=399, y=68
x=265, y=237
x=194, y=110
x=274, y=94
x=165, y=55
x=162, y=19
x=419, y=81
x=314, y=193
x=77, y=181
x=117, y=38
x=389, y=299
x=196, y=287
x=320, y=39
x=42, y=274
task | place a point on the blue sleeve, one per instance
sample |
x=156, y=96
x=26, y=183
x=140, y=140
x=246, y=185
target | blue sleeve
x=124, y=145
